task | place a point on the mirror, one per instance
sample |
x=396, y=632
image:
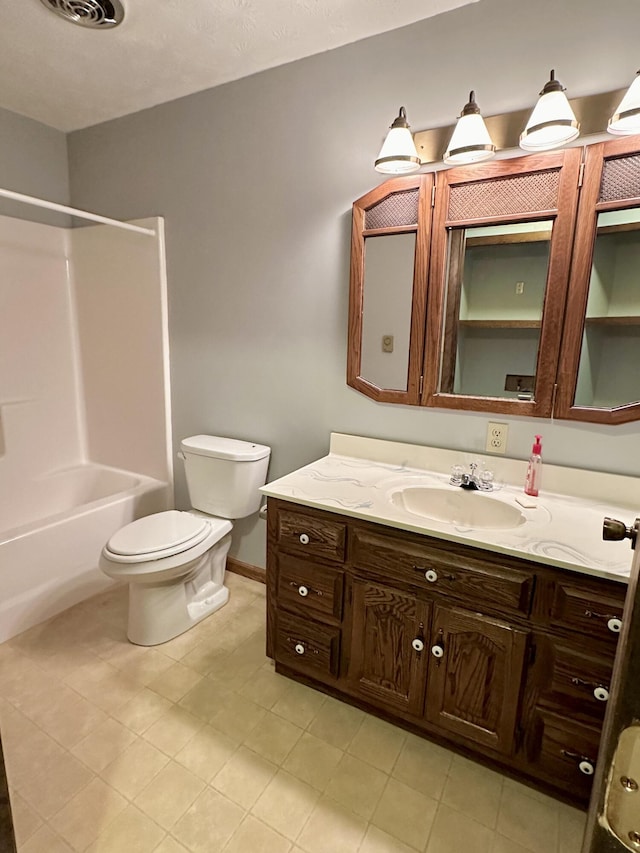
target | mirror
x=495, y=290
x=386, y=309
x=608, y=368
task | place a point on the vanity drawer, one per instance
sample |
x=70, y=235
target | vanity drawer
x=568, y=752
x=307, y=646
x=583, y=608
x=439, y=571
x=300, y=532
x=579, y=682
x=309, y=588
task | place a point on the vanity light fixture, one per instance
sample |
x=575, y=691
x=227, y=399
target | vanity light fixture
x=398, y=155
x=470, y=141
x=626, y=119
x=552, y=122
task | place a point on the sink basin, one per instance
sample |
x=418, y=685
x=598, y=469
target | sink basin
x=459, y=507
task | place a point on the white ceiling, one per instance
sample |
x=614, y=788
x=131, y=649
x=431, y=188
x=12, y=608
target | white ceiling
x=69, y=77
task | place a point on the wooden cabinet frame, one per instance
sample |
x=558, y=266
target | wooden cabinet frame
x=359, y=233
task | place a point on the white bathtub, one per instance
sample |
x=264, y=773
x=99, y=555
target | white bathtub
x=53, y=530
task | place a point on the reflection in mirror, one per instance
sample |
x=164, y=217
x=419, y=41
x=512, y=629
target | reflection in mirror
x=608, y=373
x=496, y=280
x=386, y=311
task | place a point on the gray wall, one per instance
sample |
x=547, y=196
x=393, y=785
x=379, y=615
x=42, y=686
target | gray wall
x=255, y=180
x=33, y=161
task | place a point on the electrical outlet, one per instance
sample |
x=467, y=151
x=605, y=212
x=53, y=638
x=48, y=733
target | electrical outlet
x=497, y=437
x=519, y=287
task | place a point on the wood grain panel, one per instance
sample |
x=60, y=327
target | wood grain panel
x=325, y=539
x=321, y=588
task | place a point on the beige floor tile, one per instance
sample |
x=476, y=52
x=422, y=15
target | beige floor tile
x=423, y=766
x=571, y=828
x=207, y=752
x=169, y=794
x=356, y=786
x=453, y=831
x=337, y=723
x=299, y=704
x=45, y=840
x=104, y=744
x=528, y=820
x=286, y=804
x=313, y=760
x=202, y=657
x=208, y=823
x=332, y=829
x=132, y=831
x=103, y=685
x=237, y=717
x=25, y=819
x=63, y=714
x=180, y=646
x=170, y=845
x=405, y=814
x=377, y=841
x=173, y=730
x=265, y=688
x=55, y=778
x=20, y=677
x=527, y=790
x=132, y=771
x=252, y=835
x=142, y=711
x=175, y=682
x=505, y=845
x=377, y=743
x=274, y=738
x=147, y=667
x=474, y=790
x=244, y=777
x=205, y=699
x=83, y=818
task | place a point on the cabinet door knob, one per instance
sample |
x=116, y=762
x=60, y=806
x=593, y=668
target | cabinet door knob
x=437, y=651
x=417, y=644
x=601, y=694
x=303, y=591
x=586, y=767
x=304, y=538
x=615, y=625
x=299, y=649
x=431, y=575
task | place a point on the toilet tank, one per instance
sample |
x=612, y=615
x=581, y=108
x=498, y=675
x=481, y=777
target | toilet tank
x=224, y=474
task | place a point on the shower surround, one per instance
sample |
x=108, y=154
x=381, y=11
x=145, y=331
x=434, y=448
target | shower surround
x=85, y=442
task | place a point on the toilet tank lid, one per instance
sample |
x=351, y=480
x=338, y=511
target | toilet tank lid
x=224, y=448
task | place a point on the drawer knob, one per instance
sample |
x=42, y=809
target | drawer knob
x=299, y=649
x=601, y=694
x=303, y=591
x=417, y=645
x=437, y=651
x=586, y=767
x=615, y=625
x=431, y=575
x=304, y=539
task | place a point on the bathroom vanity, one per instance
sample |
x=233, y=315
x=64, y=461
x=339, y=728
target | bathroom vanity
x=498, y=641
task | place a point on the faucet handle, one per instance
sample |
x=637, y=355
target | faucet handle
x=456, y=475
x=486, y=480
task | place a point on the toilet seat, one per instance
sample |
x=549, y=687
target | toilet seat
x=162, y=535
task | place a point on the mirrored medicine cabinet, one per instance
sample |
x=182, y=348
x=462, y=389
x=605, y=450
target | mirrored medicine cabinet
x=508, y=287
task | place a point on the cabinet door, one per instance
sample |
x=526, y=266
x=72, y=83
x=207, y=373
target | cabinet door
x=598, y=373
x=499, y=272
x=388, y=286
x=475, y=679
x=387, y=665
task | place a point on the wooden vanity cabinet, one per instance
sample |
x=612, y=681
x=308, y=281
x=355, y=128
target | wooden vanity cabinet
x=505, y=659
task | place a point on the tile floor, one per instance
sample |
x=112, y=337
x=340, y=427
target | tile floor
x=197, y=745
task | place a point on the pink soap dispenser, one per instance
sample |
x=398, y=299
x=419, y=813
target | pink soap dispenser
x=534, y=471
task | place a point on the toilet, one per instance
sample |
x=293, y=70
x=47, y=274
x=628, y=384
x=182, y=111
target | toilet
x=174, y=561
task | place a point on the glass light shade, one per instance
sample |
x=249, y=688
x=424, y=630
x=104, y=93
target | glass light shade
x=470, y=141
x=398, y=155
x=552, y=122
x=626, y=119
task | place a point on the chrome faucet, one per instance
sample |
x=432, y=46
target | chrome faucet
x=470, y=479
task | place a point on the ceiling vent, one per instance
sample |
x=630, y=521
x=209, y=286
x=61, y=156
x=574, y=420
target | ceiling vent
x=98, y=14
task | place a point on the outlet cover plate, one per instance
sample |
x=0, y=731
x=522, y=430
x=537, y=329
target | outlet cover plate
x=497, y=437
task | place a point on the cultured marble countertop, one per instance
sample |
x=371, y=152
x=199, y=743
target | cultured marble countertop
x=359, y=477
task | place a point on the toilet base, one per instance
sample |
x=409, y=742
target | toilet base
x=160, y=611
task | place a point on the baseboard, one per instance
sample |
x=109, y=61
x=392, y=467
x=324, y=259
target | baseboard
x=247, y=570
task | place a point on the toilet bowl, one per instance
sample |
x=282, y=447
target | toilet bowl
x=174, y=561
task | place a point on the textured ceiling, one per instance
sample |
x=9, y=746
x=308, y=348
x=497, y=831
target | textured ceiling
x=71, y=77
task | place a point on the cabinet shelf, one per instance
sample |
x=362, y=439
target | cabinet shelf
x=502, y=324
x=613, y=321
